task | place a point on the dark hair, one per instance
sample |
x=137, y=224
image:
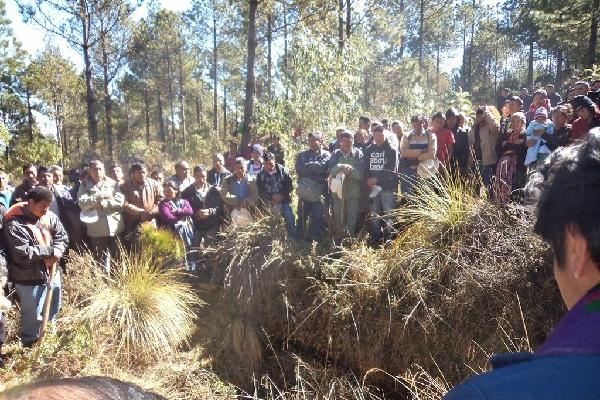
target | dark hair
x=115, y=165
x=346, y=135
x=451, y=112
x=268, y=156
x=172, y=185
x=540, y=91
x=42, y=170
x=39, y=193
x=567, y=188
x=417, y=118
x=198, y=168
x=27, y=166
x=384, y=121
x=365, y=119
x=136, y=166
x=87, y=387
x=438, y=115
x=378, y=128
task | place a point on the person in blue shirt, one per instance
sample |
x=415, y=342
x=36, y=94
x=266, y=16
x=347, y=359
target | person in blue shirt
x=6, y=190
x=567, y=364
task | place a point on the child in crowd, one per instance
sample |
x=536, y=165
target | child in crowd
x=255, y=164
x=537, y=149
x=175, y=214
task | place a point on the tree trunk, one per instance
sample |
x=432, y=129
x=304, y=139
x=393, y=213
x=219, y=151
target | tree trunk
x=90, y=97
x=224, y=112
x=269, y=55
x=197, y=101
x=170, y=93
x=403, y=35
x=214, y=75
x=471, y=49
x=147, y=114
x=348, y=19
x=341, y=24
x=559, y=67
x=161, y=122
x=250, y=84
x=285, y=53
x=421, y=39
x=530, y=66
x=182, y=102
x=591, y=50
x=437, y=68
x=108, y=132
x=366, y=88
x=29, y=116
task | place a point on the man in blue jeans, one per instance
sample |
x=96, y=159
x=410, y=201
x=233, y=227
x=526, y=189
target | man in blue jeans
x=275, y=188
x=34, y=239
x=567, y=364
x=382, y=183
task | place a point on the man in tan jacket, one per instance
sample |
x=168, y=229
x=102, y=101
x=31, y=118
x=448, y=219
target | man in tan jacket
x=482, y=142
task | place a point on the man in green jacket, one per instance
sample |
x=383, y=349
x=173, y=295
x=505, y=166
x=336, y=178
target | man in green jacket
x=347, y=162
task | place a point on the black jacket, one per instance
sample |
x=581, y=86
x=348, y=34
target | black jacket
x=215, y=178
x=213, y=202
x=280, y=174
x=519, y=149
x=21, y=192
x=25, y=254
x=559, y=138
x=381, y=162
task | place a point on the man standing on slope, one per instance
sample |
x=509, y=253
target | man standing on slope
x=567, y=365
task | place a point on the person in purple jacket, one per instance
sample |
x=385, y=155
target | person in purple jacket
x=567, y=364
x=175, y=214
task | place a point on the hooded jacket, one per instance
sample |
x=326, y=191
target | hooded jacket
x=106, y=197
x=381, y=162
x=28, y=240
x=212, y=202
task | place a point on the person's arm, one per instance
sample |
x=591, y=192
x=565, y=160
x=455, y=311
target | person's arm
x=19, y=246
x=86, y=199
x=358, y=170
x=302, y=166
x=186, y=209
x=228, y=197
x=166, y=215
x=556, y=140
x=115, y=201
x=158, y=197
x=287, y=186
x=450, y=147
x=253, y=196
x=431, y=149
x=60, y=238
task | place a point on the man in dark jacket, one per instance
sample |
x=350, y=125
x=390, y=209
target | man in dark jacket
x=311, y=167
x=29, y=182
x=382, y=183
x=207, y=205
x=218, y=172
x=3, y=283
x=274, y=189
x=567, y=364
x=34, y=239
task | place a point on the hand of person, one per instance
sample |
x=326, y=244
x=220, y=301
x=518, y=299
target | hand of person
x=203, y=214
x=531, y=142
x=371, y=182
x=347, y=169
x=51, y=260
x=277, y=198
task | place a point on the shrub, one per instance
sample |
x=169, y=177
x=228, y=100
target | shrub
x=146, y=308
x=160, y=243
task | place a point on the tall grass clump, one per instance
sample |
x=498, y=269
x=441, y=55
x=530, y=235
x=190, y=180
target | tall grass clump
x=144, y=307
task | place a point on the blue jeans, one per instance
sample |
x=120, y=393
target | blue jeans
x=290, y=222
x=408, y=178
x=311, y=211
x=487, y=173
x=32, y=306
x=380, y=207
x=186, y=233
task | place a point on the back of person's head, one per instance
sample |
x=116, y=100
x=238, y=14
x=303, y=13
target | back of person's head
x=567, y=190
x=39, y=193
x=88, y=388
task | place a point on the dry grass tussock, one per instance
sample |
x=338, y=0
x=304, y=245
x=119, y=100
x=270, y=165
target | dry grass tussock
x=466, y=278
x=130, y=327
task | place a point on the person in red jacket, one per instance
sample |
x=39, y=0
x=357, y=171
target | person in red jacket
x=445, y=138
x=588, y=116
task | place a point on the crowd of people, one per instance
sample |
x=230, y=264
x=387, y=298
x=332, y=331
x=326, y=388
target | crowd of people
x=354, y=180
